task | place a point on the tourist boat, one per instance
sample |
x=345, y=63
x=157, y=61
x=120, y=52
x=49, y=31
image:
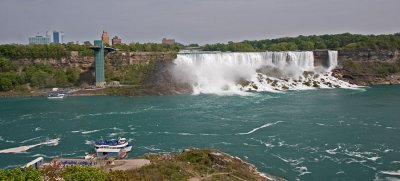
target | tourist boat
x=56, y=95
x=112, y=148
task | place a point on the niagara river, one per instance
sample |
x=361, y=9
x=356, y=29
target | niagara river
x=322, y=134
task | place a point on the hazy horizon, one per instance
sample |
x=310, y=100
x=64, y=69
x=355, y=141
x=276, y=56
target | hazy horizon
x=195, y=21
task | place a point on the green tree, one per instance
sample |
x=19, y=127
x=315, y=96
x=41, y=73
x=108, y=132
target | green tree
x=75, y=173
x=29, y=174
x=60, y=78
x=72, y=75
x=41, y=79
x=320, y=45
x=305, y=45
x=6, y=65
x=5, y=84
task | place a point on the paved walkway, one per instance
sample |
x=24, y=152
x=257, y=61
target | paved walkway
x=129, y=164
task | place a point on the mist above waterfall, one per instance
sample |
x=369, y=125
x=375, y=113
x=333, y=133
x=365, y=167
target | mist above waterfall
x=237, y=73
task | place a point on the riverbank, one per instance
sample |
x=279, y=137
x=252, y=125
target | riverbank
x=201, y=164
x=362, y=80
x=191, y=164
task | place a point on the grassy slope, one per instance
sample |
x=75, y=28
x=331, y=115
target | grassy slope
x=200, y=164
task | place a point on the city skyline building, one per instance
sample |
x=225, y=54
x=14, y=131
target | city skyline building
x=168, y=41
x=105, y=38
x=116, y=40
x=39, y=40
x=56, y=37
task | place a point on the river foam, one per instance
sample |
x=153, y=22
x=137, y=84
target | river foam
x=20, y=149
x=263, y=126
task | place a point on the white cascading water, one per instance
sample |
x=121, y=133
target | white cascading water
x=237, y=73
x=333, y=56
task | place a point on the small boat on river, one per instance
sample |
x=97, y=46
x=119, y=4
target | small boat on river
x=56, y=95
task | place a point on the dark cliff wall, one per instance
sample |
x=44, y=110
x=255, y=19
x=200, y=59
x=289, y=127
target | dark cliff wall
x=321, y=58
x=370, y=55
x=131, y=58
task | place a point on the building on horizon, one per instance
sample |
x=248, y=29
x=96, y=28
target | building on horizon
x=168, y=41
x=56, y=37
x=105, y=38
x=39, y=40
x=116, y=40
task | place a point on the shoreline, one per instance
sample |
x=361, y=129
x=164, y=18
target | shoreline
x=101, y=92
x=188, y=164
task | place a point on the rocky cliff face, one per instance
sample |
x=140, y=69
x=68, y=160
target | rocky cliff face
x=321, y=58
x=369, y=67
x=366, y=67
x=117, y=58
x=370, y=55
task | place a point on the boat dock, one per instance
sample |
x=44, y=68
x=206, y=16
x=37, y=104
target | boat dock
x=72, y=161
x=112, y=164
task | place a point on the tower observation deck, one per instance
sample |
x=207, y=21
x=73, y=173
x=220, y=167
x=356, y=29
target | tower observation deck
x=99, y=52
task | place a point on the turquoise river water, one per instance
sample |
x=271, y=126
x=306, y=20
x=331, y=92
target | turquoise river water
x=335, y=134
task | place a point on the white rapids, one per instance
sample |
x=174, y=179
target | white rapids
x=20, y=149
x=238, y=73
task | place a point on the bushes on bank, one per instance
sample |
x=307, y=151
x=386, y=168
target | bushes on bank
x=379, y=69
x=83, y=173
x=73, y=173
x=19, y=175
x=37, y=76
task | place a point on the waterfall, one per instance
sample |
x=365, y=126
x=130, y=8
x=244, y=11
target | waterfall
x=238, y=73
x=333, y=56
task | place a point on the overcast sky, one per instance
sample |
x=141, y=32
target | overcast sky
x=194, y=21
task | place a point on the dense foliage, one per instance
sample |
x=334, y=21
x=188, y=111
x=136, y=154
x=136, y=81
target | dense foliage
x=19, y=175
x=83, y=173
x=149, y=47
x=344, y=41
x=373, y=69
x=73, y=173
x=35, y=76
x=58, y=51
x=130, y=74
x=55, y=51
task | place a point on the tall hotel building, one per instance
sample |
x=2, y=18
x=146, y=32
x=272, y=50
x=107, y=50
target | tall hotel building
x=56, y=37
x=106, y=38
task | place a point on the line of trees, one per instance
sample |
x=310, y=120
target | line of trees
x=58, y=51
x=149, y=47
x=55, y=51
x=345, y=41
